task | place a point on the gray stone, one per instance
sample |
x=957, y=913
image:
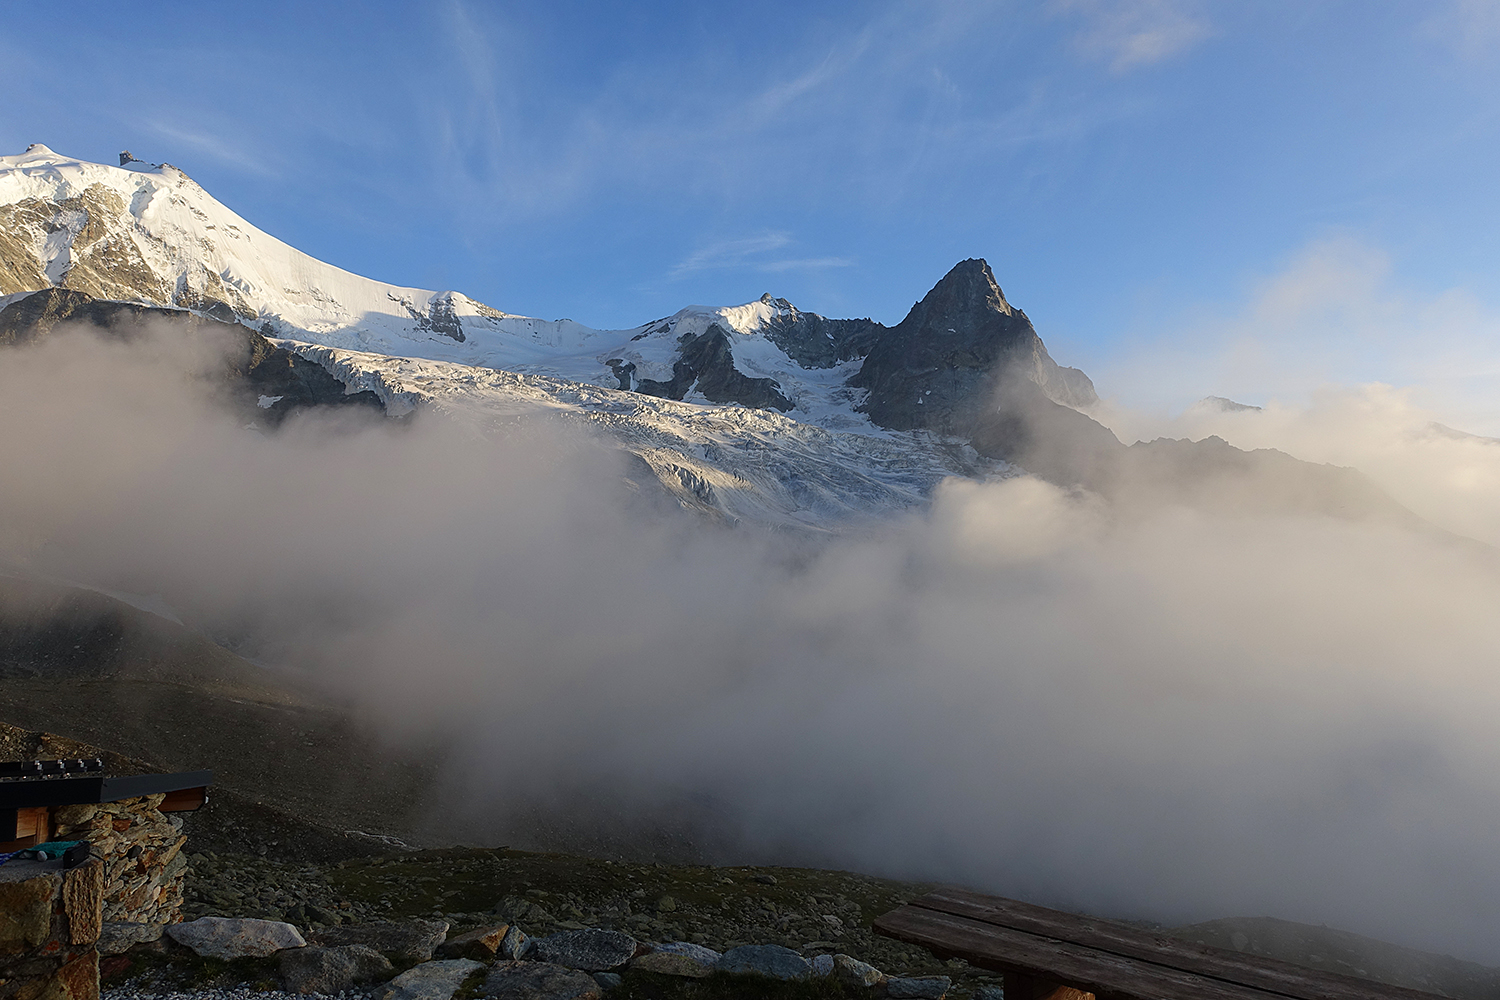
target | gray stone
x=765, y=960
x=236, y=937
x=822, y=965
x=608, y=980
x=592, y=949
x=679, y=958
x=515, y=945
x=331, y=970
x=118, y=937
x=854, y=973
x=989, y=993
x=917, y=988
x=538, y=981
x=481, y=944
x=429, y=981
x=399, y=940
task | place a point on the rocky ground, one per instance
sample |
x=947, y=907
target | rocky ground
x=809, y=911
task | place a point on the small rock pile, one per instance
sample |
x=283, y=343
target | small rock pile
x=501, y=962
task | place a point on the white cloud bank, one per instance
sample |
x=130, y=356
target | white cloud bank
x=1158, y=714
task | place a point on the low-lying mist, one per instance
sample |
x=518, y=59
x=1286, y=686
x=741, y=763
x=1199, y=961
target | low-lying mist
x=1161, y=714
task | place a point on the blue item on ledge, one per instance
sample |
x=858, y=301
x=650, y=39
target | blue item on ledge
x=50, y=851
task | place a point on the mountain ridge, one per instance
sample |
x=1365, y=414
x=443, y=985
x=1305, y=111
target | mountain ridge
x=149, y=233
x=792, y=419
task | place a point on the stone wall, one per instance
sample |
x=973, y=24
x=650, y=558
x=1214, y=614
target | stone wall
x=141, y=848
x=49, y=925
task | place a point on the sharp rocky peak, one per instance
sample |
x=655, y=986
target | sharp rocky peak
x=967, y=296
x=941, y=367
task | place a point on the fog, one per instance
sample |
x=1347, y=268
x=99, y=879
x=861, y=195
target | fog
x=1156, y=714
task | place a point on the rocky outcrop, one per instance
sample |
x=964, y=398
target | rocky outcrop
x=943, y=366
x=267, y=381
x=706, y=362
x=440, y=317
x=815, y=341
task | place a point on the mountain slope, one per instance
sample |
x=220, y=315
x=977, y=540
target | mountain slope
x=148, y=233
x=758, y=411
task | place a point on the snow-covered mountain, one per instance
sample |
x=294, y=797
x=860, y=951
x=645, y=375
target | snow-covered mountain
x=148, y=233
x=758, y=412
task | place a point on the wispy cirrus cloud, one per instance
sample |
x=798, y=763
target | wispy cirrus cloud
x=215, y=146
x=753, y=253
x=1470, y=26
x=1134, y=33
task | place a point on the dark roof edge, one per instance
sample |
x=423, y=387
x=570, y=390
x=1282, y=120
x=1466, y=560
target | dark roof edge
x=94, y=789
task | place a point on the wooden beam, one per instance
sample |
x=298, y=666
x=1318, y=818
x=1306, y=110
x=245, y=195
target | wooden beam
x=184, y=800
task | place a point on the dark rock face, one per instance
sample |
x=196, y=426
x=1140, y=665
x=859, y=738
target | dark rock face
x=815, y=341
x=942, y=366
x=1025, y=427
x=255, y=369
x=439, y=318
x=707, y=361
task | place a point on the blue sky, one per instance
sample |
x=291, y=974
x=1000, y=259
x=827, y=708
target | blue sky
x=1156, y=182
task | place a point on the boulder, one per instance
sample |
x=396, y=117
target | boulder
x=679, y=958
x=854, y=973
x=398, y=940
x=989, y=993
x=770, y=960
x=482, y=944
x=822, y=966
x=331, y=970
x=538, y=981
x=592, y=949
x=236, y=937
x=118, y=937
x=429, y=981
x=917, y=988
x=608, y=980
x=515, y=945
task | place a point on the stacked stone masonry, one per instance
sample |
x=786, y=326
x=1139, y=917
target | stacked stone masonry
x=141, y=847
x=49, y=924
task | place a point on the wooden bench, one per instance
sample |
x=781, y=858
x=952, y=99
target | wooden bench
x=1050, y=955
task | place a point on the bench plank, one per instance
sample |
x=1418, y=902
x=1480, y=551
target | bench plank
x=1107, y=976
x=1108, y=958
x=1109, y=935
